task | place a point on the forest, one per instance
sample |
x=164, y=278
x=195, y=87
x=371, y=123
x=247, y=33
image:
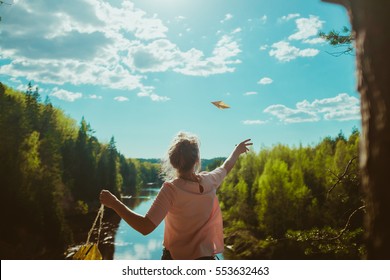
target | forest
x=51, y=170
x=296, y=203
x=280, y=203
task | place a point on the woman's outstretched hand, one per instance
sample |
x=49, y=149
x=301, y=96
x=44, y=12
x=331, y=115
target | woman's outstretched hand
x=108, y=199
x=243, y=146
x=238, y=150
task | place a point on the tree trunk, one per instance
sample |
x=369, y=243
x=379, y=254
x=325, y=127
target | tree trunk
x=370, y=21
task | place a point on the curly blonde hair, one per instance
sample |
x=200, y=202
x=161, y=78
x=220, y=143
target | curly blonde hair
x=182, y=156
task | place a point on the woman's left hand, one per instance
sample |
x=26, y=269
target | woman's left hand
x=108, y=199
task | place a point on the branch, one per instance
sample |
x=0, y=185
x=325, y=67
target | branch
x=341, y=231
x=339, y=39
x=340, y=178
x=347, y=224
x=337, y=54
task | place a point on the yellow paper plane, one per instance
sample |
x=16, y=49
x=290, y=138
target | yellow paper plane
x=220, y=105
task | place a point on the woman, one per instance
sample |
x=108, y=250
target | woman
x=187, y=201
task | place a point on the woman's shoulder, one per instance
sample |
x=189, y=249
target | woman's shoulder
x=168, y=184
x=218, y=170
x=168, y=189
x=213, y=178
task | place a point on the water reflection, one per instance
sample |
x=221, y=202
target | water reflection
x=130, y=244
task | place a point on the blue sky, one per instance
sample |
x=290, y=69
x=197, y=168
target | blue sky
x=143, y=70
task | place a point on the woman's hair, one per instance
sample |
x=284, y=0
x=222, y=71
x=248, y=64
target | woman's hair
x=183, y=156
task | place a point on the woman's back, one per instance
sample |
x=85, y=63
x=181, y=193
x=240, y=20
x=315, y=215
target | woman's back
x=193, y=221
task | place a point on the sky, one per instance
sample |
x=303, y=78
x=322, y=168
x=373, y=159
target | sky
x=143, y=70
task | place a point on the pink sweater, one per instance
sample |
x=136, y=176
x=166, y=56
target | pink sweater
x=193, y=220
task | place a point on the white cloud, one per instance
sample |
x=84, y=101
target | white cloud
x=72, y=71
x=314, y=41
x=94, y=96
x=66, y=95
x=180, y=18
x=227, y=17
x=93, y=42
x=78, y=44
x=289, y=17
x=341, y=108
x=307, y=27
x=21, y=87
x=263, y=47
x=194, y=63
x=151, y=29
x=158, y=56
x=143, y=94
x=308, y=52
x=250, y=93
x=237, y=30
x=158, y=98
x=253, y=122
x=307, y=33
x=265, y=81
x=225, y=49
x=149, y=92
x=154, y=97
x=128, y=19
x=14, y=80
x=121, y=98
x=263, y=19
x=162, y=55
x=288, y=115
x=283, y=51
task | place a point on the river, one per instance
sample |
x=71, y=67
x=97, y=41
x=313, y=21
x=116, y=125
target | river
x=132, y=245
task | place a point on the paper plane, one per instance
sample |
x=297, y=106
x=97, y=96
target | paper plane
x=220, y=105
